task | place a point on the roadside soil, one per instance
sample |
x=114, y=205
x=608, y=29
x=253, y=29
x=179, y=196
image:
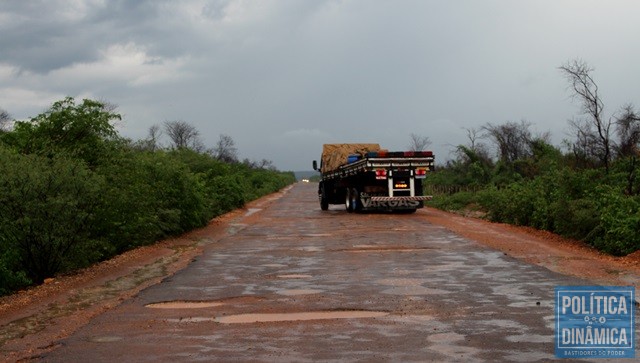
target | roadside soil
x=33, y=320
x=558, y=254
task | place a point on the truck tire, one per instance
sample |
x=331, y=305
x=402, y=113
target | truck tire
x=356, y=204
x=324, y=202
x=348, y=201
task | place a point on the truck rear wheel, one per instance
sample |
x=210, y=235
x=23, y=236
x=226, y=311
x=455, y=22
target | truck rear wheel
x=348, y=202
x=356, y=204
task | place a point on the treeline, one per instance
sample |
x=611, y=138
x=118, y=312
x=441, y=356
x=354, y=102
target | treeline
x=588, y=189
x=74, y=192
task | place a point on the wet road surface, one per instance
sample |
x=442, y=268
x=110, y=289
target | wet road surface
x=293, y=283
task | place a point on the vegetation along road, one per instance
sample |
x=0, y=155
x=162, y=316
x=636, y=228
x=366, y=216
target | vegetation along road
x=283, y=281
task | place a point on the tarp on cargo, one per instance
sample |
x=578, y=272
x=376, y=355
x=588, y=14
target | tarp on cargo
x=334, y=155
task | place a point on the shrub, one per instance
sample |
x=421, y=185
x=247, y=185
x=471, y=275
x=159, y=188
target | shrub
x=454, y=202
x=12, y=276
x=619, y=220
x=579, y=218
x=46, y=208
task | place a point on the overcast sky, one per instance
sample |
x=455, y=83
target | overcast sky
x=283, y=77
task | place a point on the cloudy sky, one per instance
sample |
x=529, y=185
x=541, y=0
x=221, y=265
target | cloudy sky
x=282, y=77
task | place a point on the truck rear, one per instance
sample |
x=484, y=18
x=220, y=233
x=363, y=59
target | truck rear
x=364, y=177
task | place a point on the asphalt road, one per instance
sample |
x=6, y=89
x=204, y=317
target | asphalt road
x=293, y=283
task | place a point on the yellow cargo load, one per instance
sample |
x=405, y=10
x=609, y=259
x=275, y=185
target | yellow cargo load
x=335, y=155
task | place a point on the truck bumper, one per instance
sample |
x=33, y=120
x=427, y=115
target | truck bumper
x=394, y=203
x=398, y=199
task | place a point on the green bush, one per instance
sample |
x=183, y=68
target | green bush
x=578, y=218
x=72, y=192
x=135, y=206
x=513, y=204
x=619, y=221
x=12, y=275
x=226, y=193
x=454, y=202
x=46, y=209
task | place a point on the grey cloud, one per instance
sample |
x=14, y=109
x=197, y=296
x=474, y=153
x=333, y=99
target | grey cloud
x=283, y=76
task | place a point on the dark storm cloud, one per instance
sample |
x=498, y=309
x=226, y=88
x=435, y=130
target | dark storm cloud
x=284, y=76
x=41, y=36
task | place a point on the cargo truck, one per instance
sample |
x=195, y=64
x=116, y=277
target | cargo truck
x=365, y=177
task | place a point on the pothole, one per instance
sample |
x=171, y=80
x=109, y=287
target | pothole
x=184, y=304
x=374, y=248
x=310, y=249
x=294, y=276
x=401, y=282
x=192, y=320
x=306, y=316
x=200, y=304
x=445, y=337
x=295, y=292
x=107, y=339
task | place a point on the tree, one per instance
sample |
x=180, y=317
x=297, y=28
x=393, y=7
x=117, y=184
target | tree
x=419, y=143
x=225, y=149
x=512, y=140
x=593, y=132
x=628, y=130
x=183, y=135
x=265, y=164
x=151, y=143
x=5, y=121
x=82, y=131
x=473, y=135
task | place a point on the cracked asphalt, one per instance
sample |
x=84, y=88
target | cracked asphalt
x=292, y=283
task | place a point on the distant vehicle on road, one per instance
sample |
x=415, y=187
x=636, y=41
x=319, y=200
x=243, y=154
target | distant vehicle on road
x=364, y=177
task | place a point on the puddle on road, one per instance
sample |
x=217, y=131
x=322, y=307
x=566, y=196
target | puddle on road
x=445, y=337
x=184, y=304
x=234, y=228
x=310, y=249
x=294, y=276
x=192, y=320
x=111, y=339
x=296, y=292
x=251, y=211
x=285, y=317
x=200, y=304
x=401, y=282
x=375, y=248
x=414, y=290
x=531, y=338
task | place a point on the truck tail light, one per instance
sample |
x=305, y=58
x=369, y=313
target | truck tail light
x=421, y=173
x=381, y=174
